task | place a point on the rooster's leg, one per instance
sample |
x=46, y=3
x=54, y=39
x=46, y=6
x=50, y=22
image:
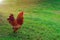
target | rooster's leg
x=15, y=30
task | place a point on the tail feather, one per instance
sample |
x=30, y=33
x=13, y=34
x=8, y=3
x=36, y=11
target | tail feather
x=20, y=18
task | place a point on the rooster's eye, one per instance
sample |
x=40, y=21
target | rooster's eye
x=8, y=19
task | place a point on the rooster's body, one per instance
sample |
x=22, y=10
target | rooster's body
x=16, y=23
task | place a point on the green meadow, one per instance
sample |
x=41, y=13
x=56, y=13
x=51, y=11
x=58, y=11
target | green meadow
x=41, y=20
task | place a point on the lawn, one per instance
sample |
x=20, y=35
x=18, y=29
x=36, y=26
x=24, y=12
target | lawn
x=41, y=20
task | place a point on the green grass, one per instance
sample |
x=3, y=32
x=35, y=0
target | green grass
x=41, y=22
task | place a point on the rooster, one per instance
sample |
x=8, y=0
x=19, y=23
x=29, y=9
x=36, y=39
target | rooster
x=16, y=23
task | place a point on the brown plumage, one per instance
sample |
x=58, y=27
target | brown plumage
x=16, y=23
